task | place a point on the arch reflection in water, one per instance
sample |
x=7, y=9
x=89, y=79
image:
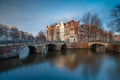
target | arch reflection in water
x=69, y=61
x=24, y=53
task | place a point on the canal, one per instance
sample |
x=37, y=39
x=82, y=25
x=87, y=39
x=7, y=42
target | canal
x=75, y=64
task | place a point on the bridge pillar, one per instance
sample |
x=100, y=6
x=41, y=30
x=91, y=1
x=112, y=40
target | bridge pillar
x=44, y=50
x=38, y=48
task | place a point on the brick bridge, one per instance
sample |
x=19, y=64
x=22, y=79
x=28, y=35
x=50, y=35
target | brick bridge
x=16, y=49
x=98, y=43
x=37, y=47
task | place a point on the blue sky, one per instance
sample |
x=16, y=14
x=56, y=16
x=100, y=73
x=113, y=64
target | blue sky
x=33, y=15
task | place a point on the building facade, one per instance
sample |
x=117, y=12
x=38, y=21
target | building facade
x=6, y=32
x=117, y=38
x=10, y=33
x=71, y=31
x=63, y=32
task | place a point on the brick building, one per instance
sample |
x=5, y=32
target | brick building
x=63, y=32
x=72, y=31
x=117, y=37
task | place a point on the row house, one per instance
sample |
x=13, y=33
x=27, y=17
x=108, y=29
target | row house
x=23, y=35
x=53, y=32
x=15, y=34
x=63, y=32
x=71, y=31
x=56, y=36
x=49, y=33
x=6, y=32
x=11, y=33
x=117, y=38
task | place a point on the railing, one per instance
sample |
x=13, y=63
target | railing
x=107, y=41
x=12, y=43
x=20, y=41
x=56, y=41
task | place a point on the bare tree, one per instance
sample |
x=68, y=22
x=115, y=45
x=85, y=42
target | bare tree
x=91, y=23
x=41, y=35
x=110, y=35
x=115, y=19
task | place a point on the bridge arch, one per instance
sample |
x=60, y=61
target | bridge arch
x=25, y=50
x=98, y=47
x=32, y=49
x=51, y=46
x=98, y=43
x=63, y=46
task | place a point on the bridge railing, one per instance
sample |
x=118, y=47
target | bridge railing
x=12, y=43
x=56, y=42
x=107, y=41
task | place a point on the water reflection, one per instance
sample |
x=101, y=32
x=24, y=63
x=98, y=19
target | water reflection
x=108, y=69
x=24, y=53
x=63, y=65
x=68, y=61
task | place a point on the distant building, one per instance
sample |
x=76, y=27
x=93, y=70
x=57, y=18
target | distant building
x=117, y=37
x=71, y=31
x=56, y=32
x=6, y=32
x=48, y=36
x=11, y=33
x=63, y=31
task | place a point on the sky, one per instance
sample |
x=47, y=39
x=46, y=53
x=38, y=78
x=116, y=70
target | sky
x=34, y=15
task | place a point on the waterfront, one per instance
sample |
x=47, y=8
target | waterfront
x=75, y=64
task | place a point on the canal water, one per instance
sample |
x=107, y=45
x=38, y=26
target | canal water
x=75, y=64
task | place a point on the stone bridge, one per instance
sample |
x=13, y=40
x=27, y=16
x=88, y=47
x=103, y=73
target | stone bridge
x=38, y=47
x=46, y=46
x=9, y=50
x=98, y=46
x=90, y=44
